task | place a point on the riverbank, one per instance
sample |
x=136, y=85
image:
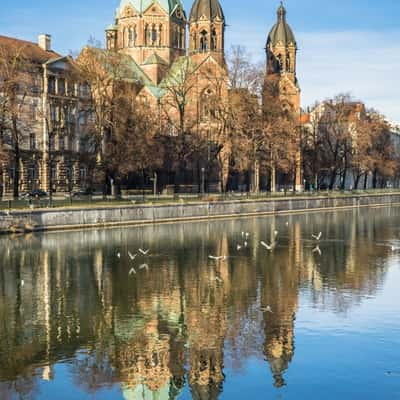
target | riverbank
x=137, y=214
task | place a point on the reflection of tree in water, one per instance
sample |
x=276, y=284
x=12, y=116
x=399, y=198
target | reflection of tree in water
x=171, y=326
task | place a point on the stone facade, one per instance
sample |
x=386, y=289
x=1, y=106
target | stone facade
x=49, y=122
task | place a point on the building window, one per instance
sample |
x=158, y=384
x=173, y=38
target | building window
x=154, y=35
x=53, y=113
x=214, y=40
x=52, y=142
x=61, y=87
x=83, y=172
x=204, y=41
x=132, y=36
x=61, y=143
x=32, y=141
x=51, y=85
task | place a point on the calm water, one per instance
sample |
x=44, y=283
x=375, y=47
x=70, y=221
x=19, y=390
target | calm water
x=296, y=323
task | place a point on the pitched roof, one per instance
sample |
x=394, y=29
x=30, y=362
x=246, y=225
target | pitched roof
x=30, y=50
x=155, y=59
x=142, y=5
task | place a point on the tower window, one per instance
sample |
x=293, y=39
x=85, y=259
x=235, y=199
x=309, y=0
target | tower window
x=132, y=36
x=204, y=41
x=214, y=40
x=154, y=36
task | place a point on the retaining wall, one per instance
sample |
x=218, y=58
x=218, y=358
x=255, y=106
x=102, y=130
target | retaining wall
x=73, y=218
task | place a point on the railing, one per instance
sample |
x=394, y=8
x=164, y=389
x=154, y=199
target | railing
x=63, y=201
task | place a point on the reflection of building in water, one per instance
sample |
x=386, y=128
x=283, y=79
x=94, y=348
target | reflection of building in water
x=167, y=327
x=280, y=293
x=206, y=322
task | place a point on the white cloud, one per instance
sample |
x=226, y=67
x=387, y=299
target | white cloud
x=366, y=64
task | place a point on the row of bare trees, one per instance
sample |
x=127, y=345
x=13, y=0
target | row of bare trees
x=229, y=124
x=345, y=142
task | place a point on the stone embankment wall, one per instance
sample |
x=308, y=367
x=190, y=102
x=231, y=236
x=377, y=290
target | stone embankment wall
x=75, y=218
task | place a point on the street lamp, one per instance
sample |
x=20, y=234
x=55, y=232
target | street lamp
x=203, y=180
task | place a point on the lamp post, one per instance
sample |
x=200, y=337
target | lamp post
x=203, y=180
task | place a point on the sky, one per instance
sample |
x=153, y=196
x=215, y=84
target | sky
x=345, y=46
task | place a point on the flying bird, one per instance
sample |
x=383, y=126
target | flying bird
x=238, y=247
x=245, y=244
x=267, y=246
x=267, y=309
x=218, y=279
x=144, y=266
x=276, y=233
x=317, y=250
x=119, y=255
x=223, y=258
x=144, y=252
x=132, y=271
x=132, y=256
x=317, y=237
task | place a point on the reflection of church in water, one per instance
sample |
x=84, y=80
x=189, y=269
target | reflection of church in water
x=169, y=330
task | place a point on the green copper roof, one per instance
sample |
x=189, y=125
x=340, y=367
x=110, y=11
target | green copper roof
x=210, y=9
x=155, y=59
x=142, y=5
x=281, y=31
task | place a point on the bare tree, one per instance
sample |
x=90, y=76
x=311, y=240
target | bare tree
x=15, y=80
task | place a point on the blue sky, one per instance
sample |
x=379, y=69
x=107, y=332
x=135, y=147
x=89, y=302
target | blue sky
x=344, y=46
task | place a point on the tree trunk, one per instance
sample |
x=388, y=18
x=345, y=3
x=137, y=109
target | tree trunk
x=344, y=177
x=375, y=179
x=357, y=181
x=17, y=161
x=332, y=180
x=365, y=181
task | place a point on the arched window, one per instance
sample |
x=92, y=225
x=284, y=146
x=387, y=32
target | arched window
x=207, y=105
x=160, y=34
x=146, y=30
x=126, y=37
x=214, y=40
x=279, y=62
x=182, y=38
x=204, y=41
x=132, y=36
x=154, y=35
x=288, y=63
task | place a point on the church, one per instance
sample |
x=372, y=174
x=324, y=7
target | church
x=162, y=43
x=153, y=34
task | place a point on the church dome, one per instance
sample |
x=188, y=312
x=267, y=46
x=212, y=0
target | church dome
x=281, y=32
x=142, y=5
x=210, y=9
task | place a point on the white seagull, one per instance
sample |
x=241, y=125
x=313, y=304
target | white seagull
x=119, y=255
x=218, y=279
x=267, y=309
x=317, y=250
x=144, y=266
x=269, y=247
x=132, y=256
x=317, y=237
x=238, y=247
x=132, y=271
x=144, y=252
x=223, y=258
